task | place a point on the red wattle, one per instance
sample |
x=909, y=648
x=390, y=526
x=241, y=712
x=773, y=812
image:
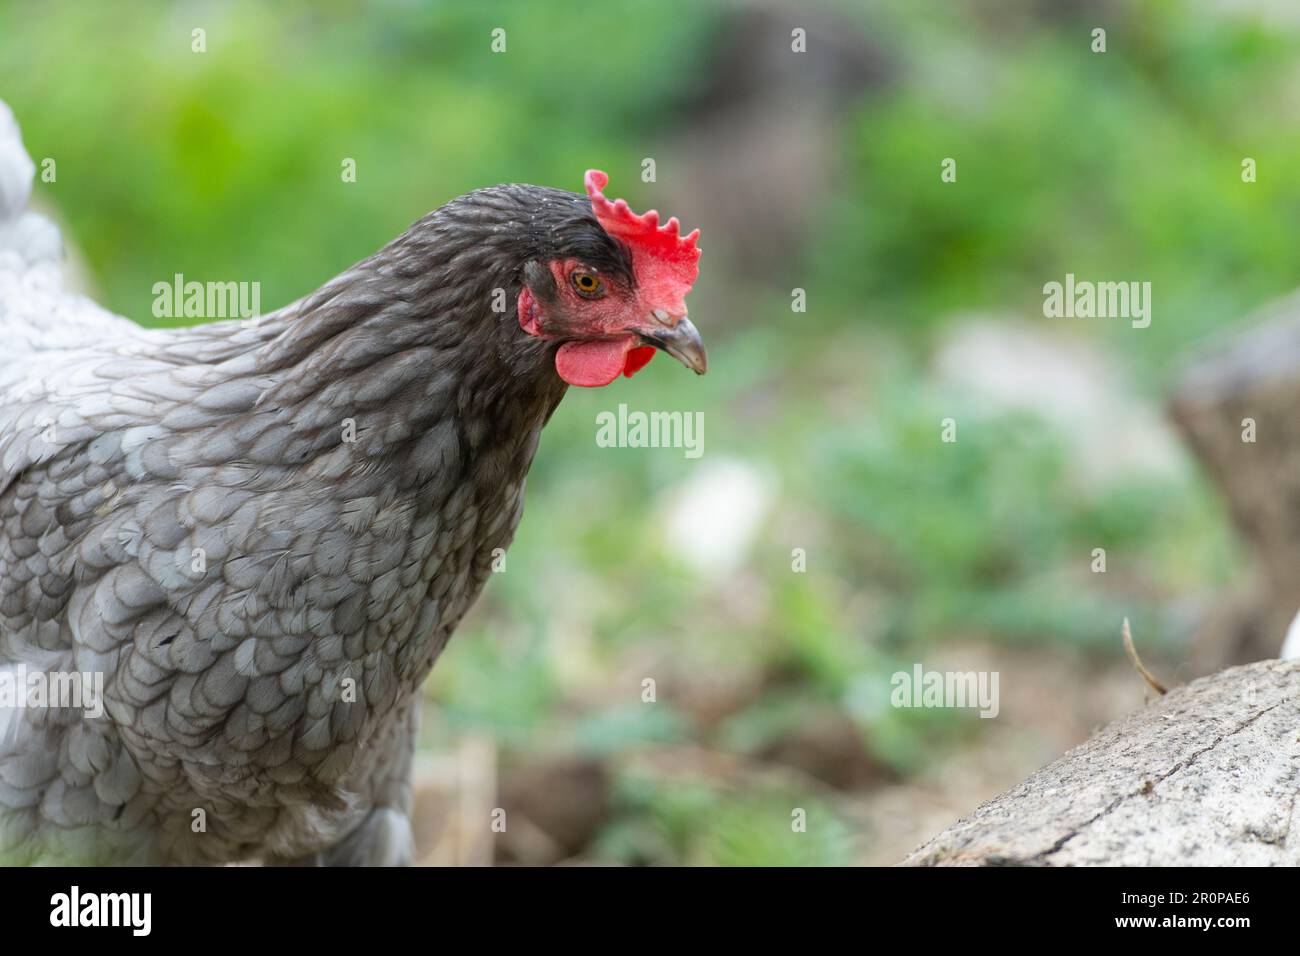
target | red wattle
x=598, y=362
x=637, y=359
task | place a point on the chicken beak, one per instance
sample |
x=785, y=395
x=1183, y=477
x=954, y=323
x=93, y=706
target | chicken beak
x=680, y=340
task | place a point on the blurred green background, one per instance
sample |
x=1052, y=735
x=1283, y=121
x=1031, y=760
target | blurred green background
x=818, y=171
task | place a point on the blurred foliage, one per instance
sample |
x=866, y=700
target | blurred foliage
x=1126, y=163
x=699, y=824
x=1123, y=165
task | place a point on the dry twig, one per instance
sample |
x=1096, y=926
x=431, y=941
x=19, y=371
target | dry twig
x=1136, y=661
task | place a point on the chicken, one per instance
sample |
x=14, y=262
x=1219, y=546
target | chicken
x=249, y=540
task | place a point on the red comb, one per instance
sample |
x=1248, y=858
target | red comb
x=666, y=262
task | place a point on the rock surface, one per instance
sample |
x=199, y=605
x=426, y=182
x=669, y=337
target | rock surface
x=1205, y=776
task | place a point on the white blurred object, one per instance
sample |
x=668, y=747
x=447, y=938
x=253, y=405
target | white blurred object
x=1113, y=431
x=33, y=237
x=1291, y=646
x=712, y=518
x=16, y=167
x=39, y=309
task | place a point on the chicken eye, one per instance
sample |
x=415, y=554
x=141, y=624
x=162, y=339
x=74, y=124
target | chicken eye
x=588, y=286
